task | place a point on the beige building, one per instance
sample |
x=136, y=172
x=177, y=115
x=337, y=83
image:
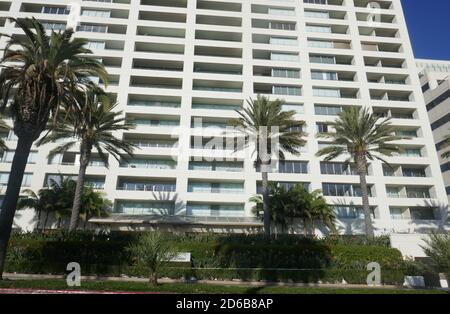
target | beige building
x=435, y=81
x=172, y=62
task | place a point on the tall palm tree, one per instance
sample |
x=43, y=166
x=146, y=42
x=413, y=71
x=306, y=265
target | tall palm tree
x=360, y=136
x=39, y=74
x=264, y=123
x=5, y=127
x=92, y=126
x=445, y=145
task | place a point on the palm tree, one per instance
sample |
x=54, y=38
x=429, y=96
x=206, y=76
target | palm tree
x=360, y=136
x=94, y=204
x=40, y=73
x=279, y=206
x=265, y=123
x=445, y=145
x=321, y=211
x=93, y=125
x=3, y=127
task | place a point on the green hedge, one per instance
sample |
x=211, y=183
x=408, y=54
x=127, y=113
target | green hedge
x=213, y=257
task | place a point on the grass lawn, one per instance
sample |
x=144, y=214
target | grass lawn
x=198, y=288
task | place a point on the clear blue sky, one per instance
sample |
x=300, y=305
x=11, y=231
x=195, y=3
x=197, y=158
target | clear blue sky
x=429, y=27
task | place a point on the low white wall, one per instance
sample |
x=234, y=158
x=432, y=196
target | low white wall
x=409, y=244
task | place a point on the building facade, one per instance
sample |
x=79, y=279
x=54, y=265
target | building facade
x=435, y=80
x=173, y=63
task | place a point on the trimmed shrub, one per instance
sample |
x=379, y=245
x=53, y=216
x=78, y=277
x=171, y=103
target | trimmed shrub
x=215, y=257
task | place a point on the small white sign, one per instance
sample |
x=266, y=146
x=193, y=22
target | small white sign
x=181, y=258
x=414, y=281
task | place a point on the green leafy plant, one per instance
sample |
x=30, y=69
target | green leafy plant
x=437, y=248
x=152, y=250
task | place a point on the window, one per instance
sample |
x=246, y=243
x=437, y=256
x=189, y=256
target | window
x=333, y=168
x=414, y=172
x=444, y=120
x=322, y=59
x=279, y=56
x=54, y=26
x=144, y=208
x=418, y=192
x=287, y=90
x=328, y=76
x=26, y=181
x=215, y=210
x=288, y=73
x=9, y=155
x=412, y=152
x=283, y=41
x=406, y=133
x=326, y=92
x=95, y=45
x=351, y=212
x=298, y=108
x=316, y=1
x=96, y=13
x=340, y=189
x=320, y=44
x=283, y=26
x=325, y=110
x=150, y=163
x=393, y=192
x=318, y=29
x=55, y=10
x=93, y=28
x=322, y=127
x=276, y=11
x=423, y=213
x=293, y=167
x=317, y=14
x=398, y=213
x=438, y=100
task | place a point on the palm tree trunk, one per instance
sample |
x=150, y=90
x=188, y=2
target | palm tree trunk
x=361, y=166
x=45, y=221
x=12, y=194
x=38, y=220
x=304, y=228
x=266, y=205
x=85, y=156
x=153, y=280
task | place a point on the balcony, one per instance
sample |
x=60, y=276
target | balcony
x=217, y=86
x=219, y=6
x=215, y=187
x=130, y=184
x=156, y=82
x=216, y=68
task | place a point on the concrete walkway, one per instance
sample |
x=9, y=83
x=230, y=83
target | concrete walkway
x=210, y=282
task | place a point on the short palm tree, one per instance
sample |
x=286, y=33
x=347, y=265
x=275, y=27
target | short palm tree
x=321, y=211
x=445, y=145
x=94, y=204
x=264, y=123
x=92, y=126
x=360, y=136
x=39, y=74
x=42, y=202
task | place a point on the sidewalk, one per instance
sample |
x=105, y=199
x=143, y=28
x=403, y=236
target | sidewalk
x=209, y=282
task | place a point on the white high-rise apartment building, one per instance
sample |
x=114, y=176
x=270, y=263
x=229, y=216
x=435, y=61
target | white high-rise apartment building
x=435, y=81
x=173, y=61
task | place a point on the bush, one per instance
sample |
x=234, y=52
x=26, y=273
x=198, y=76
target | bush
x=222, y=257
